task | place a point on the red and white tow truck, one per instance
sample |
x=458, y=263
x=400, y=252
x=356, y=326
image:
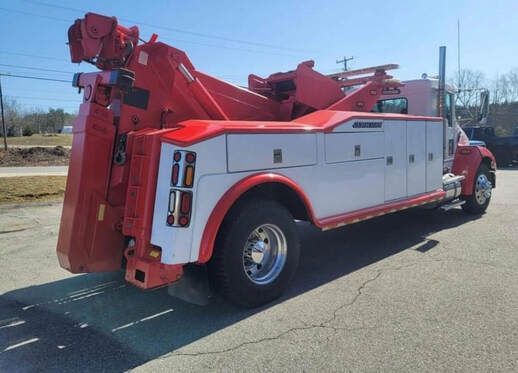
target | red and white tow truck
x=171, y=167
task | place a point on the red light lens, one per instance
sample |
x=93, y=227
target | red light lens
x=184, y=220
x=185, y=206
x=190, y=157
x=177, y=156
x=174, y=176
x=170, y=219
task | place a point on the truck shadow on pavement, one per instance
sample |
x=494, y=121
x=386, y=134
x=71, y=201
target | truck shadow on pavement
x=97, y=322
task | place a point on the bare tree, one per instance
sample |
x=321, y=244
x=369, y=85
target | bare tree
x=470, y=83
x=13, y=117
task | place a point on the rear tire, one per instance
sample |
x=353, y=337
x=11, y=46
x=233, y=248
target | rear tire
x=479, y=199
x=256, y=253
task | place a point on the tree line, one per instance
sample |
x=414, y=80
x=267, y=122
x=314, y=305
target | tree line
x=20, y=122
x=503, y=106
x=503, y=98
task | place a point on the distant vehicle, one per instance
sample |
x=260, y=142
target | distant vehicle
x=67, y=129
x=505, y=149
x=477, y=143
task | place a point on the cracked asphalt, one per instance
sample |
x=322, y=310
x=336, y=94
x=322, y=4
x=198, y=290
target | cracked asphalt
x=414, y=291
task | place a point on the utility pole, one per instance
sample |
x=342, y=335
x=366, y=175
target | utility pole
x=344, y=61
x=3, y=120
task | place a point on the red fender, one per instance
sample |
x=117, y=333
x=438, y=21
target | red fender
x=231, y=196
x=467, y=161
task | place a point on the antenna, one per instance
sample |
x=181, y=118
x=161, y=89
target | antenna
x=458, y=53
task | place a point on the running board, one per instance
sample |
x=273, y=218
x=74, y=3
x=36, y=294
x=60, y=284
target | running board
x=452, y=205
x=386, y=208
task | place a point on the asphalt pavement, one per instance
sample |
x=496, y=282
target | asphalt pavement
x=414, y=291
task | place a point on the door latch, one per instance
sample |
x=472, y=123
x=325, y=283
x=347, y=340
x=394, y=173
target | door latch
x=277, y=155
x=357, y=150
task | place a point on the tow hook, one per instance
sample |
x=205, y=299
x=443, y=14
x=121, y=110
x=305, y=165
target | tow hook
x=120, y=155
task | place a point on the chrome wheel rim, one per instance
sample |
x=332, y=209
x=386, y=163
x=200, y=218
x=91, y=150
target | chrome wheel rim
x=264, y=254
x=482, y=189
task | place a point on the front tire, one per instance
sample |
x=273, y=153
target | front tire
x=478, y=201
x=256, y=253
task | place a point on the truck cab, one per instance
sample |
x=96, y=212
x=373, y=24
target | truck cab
x=420, y=97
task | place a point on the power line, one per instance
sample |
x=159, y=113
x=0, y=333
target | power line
x=43, y=98
x=162, y=38
x=34, y=15
x=171, y=40
x=34, y=56
x=32, y=90
x=34, y=77
x=174, y=41
x=37, y=68
x=194, y=33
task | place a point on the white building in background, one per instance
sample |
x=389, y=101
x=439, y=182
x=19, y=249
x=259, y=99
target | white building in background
x=67, y=129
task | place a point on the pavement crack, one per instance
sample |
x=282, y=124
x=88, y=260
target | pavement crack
x=356, y=297
x=322, y=325
x=14, y=230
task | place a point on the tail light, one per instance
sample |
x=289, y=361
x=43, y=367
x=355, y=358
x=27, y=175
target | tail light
x=180, y=195
x=189, y=176
x=174, y=174
x=185, y=206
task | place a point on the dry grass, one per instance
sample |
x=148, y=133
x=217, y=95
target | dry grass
x=31, y=188
x=41, y=140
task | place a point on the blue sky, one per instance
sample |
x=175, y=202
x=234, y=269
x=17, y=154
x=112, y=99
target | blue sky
x=374, y=32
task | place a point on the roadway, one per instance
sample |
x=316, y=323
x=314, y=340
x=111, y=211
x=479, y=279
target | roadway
x=413, y=291
x=34, y=171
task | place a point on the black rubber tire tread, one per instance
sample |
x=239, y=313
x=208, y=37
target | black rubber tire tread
x=472, y=206
x=225, y=267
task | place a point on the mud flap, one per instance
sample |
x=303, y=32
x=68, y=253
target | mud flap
x=193, y=287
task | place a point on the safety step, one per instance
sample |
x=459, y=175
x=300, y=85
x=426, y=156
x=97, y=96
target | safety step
x=452, y=205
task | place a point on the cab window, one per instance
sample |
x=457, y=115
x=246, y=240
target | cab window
x=392, y=105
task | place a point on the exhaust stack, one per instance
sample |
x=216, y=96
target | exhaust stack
x=442, y=81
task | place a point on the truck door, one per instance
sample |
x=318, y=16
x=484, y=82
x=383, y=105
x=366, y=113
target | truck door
x=449, y=130
x=395, y=160
x=416, y=150
x=434, y=160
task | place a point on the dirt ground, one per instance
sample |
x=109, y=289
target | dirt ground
x=35, y=156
